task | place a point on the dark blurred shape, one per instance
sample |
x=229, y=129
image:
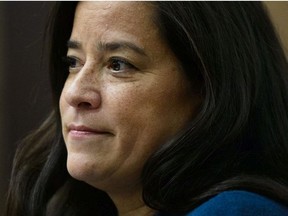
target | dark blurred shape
x=24, y=84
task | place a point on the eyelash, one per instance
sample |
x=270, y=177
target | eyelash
x=73, y=63
x=117, y=60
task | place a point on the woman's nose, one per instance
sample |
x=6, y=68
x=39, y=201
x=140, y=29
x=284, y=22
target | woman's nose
x=81, y=92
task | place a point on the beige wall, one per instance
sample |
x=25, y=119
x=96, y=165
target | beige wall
x=279, y=15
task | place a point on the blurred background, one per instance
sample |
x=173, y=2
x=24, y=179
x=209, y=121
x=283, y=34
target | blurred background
x=24, y=86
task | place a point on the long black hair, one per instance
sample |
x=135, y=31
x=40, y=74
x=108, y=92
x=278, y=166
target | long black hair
x=238, y=140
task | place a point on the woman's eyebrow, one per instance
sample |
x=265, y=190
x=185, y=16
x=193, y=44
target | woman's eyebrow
x=109, y=46
x=120, y=45
x=72, y=44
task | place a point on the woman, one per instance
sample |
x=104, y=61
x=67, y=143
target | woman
x=161, y=108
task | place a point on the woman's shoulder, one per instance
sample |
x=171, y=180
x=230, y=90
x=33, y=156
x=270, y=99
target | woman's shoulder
x=240, y=203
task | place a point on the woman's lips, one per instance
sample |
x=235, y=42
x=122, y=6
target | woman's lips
x=82, y=131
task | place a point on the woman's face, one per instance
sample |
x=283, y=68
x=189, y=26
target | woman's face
x=125, y=96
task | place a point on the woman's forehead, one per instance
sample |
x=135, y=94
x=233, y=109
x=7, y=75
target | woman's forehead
x=106, y=22
x=129, y=11
x=128, y=17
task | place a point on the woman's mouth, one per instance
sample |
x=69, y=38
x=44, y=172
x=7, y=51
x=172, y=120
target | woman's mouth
x=81, y=131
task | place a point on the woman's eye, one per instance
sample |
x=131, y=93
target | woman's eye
x=118, y=65
x=72, y=62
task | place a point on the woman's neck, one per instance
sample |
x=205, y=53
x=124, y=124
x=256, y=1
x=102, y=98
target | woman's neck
x=141, y=211
x=131, y=204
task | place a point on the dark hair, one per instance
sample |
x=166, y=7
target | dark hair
x=238, y=140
